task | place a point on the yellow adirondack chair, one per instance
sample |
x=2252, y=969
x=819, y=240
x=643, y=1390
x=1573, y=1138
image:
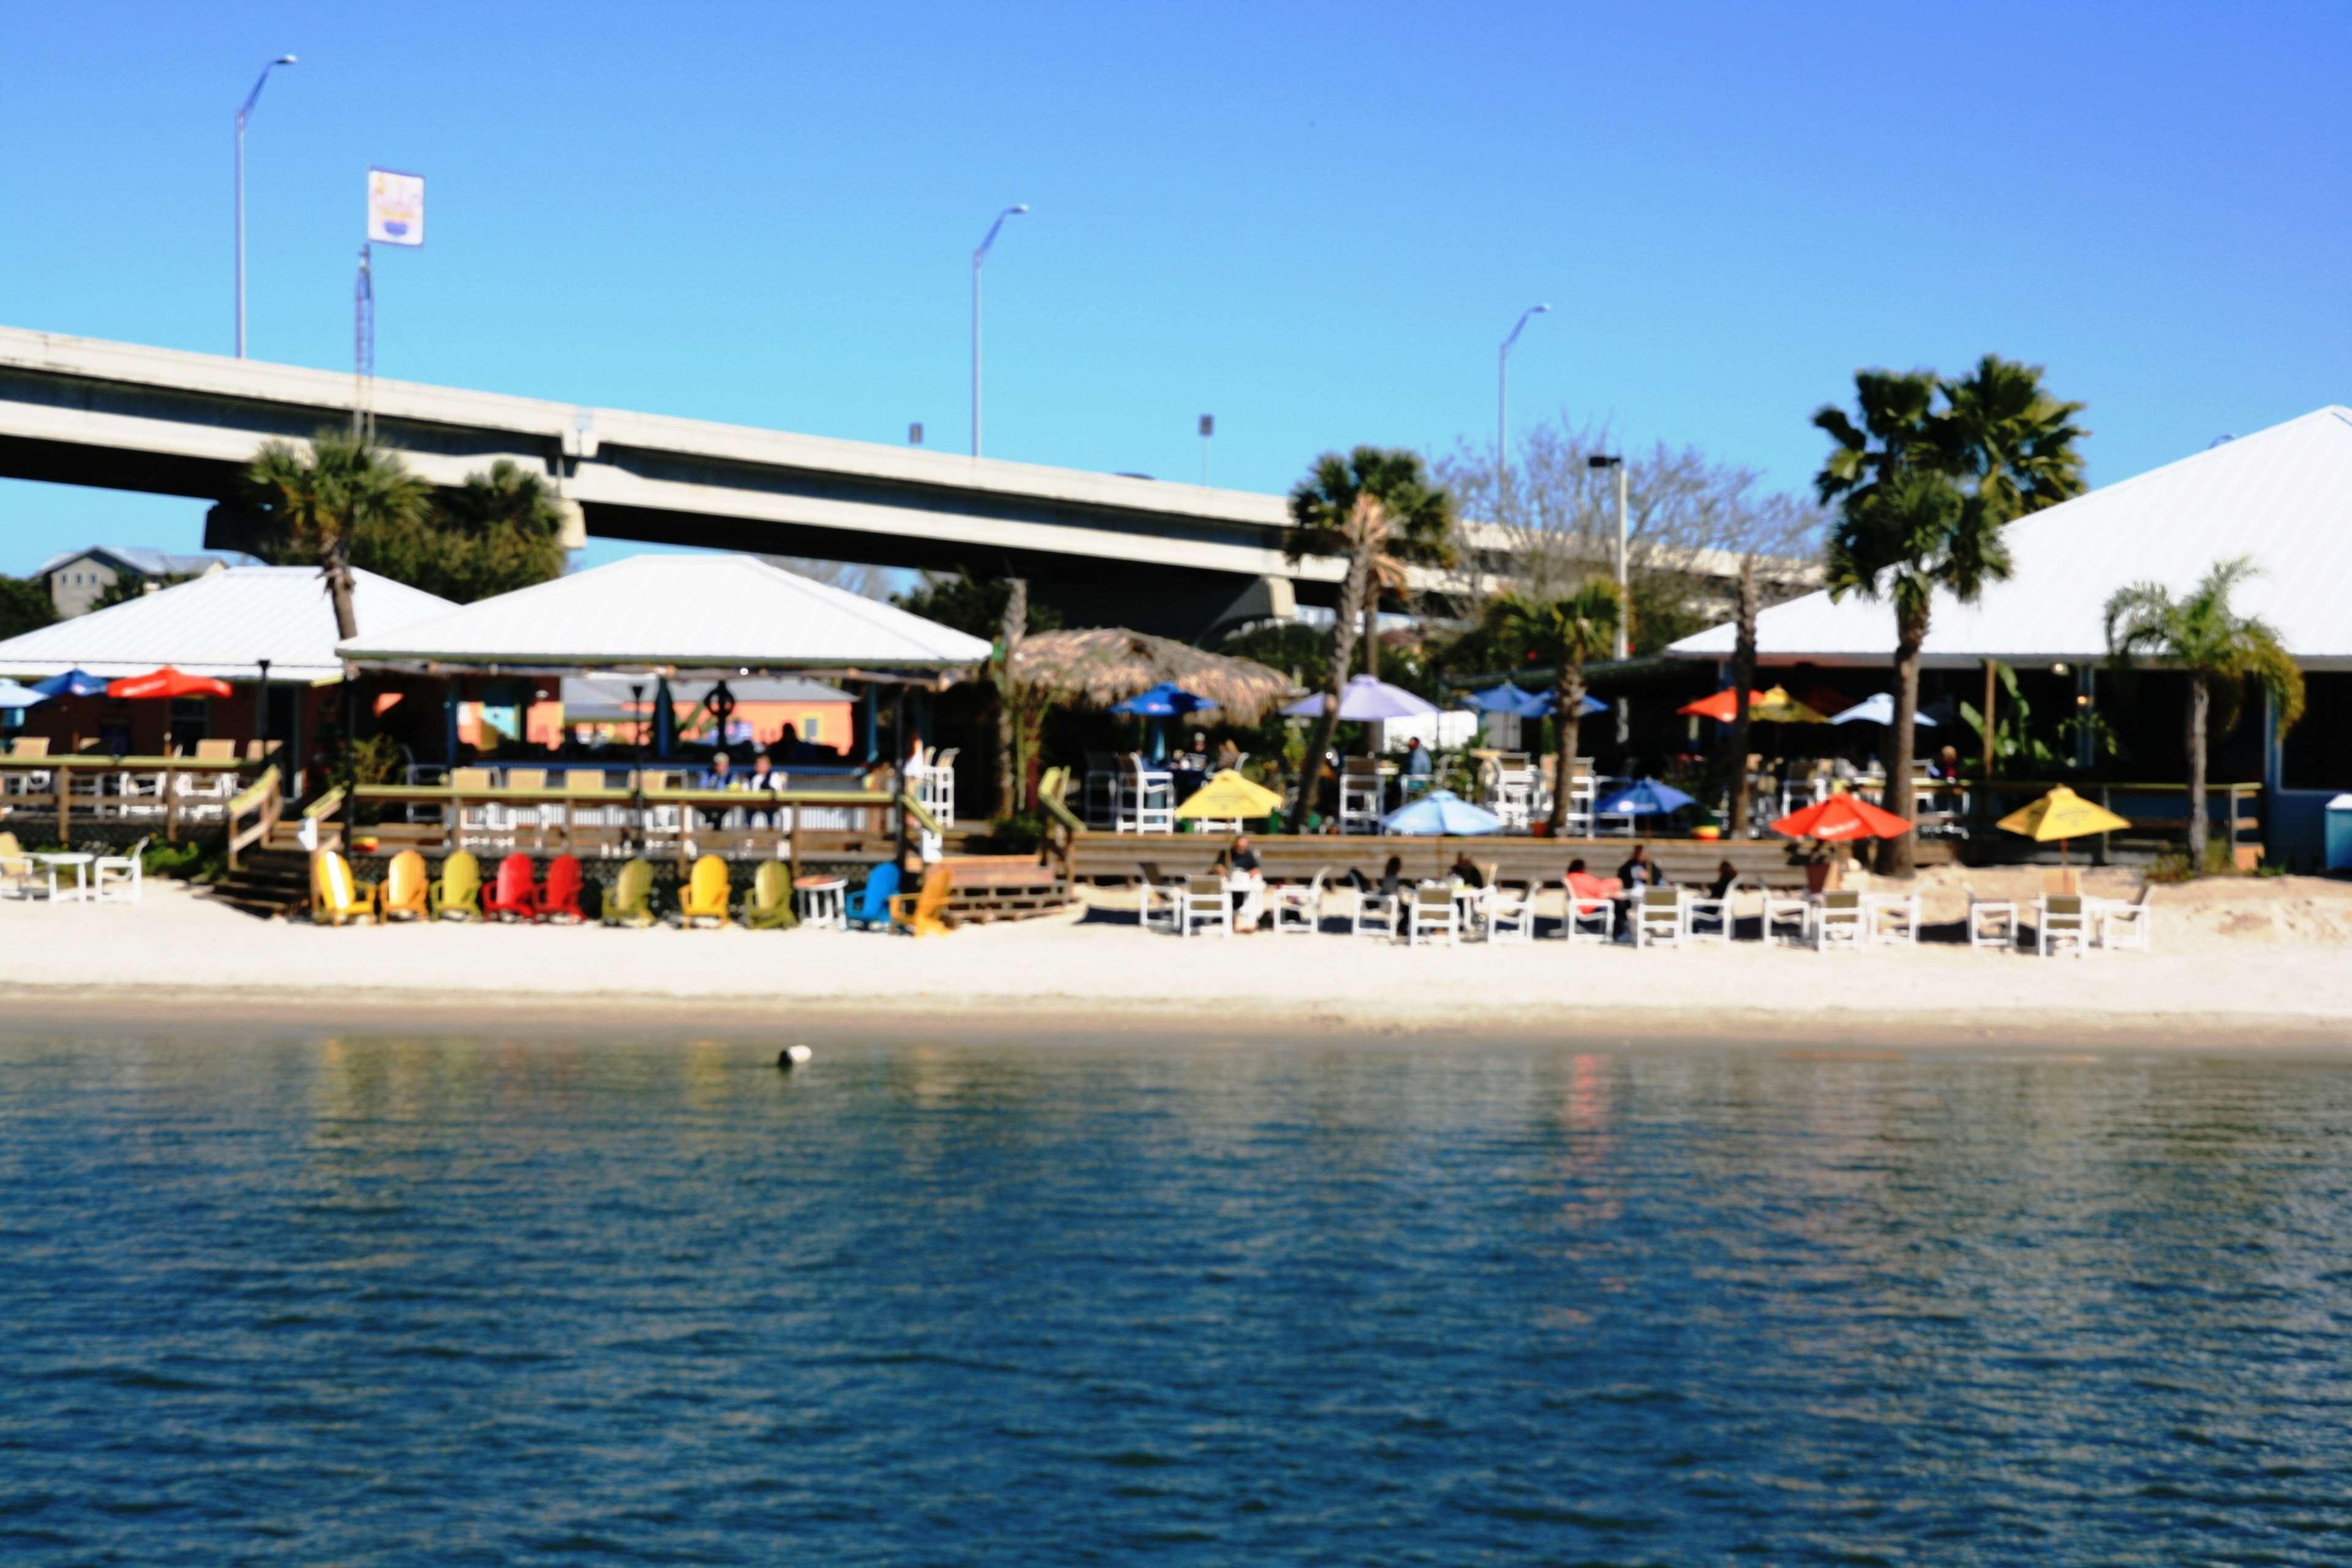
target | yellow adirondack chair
x=770, y=907
x=632, y=899
x=707, y=895
x=922, y=912
x=457, y=895
x=407, y=888
x=336, y=899
x=13, y=864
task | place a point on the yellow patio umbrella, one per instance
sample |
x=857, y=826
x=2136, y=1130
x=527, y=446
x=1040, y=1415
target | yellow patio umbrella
x=2060, y=815
x=1228, y=796
x=1779, y=708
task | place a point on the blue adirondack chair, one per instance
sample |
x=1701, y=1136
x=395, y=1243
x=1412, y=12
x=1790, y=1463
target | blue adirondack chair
x=869, y=905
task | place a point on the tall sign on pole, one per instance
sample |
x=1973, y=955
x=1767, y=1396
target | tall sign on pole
x=396, y=215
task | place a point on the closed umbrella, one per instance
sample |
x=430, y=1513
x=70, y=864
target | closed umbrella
x=1877, y=710
x=72, y=683
x=167, y=682
x=1229, y=797
x=2060, y=815
x=1366, y=700
x=1441, y=813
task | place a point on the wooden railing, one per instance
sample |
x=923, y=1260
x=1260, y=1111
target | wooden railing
x=262, y=800
x=60, y=797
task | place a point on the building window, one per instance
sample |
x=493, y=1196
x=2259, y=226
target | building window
x=2317, y=754
x=812, y=727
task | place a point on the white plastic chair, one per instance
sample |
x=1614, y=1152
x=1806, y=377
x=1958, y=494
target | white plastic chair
x=1510, y=914
x=1377, y=913
x=1147, y=799
x=1837, y=921
x=2062, y=925
x=1891, y=919
x=1431, y=914
x=1298, y=906
x=1788, y=914
x=1658, y=918
x=1160, y=901
x=1207, y=908
x=1589, y=917
x=2125, y=925
x=1992, y=922
x=117, y=879
x=1709, y=919
x=1359, y=795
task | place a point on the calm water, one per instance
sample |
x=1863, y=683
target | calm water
x=446, y=1301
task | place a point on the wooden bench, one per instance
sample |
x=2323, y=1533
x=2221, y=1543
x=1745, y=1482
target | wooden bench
x=983, y=888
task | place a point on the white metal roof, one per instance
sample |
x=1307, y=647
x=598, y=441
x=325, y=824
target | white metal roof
x=222, y=624
x=707, y=614
x=2283, y=496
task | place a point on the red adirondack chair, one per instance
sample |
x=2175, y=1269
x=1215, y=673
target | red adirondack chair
x=515, y=896
x=559, y=899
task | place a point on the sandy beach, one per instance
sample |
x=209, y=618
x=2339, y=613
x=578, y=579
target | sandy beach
x=2234, y=962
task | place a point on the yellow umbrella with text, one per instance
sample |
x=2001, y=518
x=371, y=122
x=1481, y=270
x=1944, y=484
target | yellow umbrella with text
x=2060, y=815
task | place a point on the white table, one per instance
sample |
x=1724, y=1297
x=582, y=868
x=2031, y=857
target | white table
x=822, y=905
x=79, y=863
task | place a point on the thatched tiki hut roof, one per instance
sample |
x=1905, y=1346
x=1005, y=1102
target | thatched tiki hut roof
x=1102, y=666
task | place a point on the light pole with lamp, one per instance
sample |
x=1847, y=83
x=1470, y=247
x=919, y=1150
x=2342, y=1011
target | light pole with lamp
x=978, y=257
x=1617, y=461
x=244, y=113
x=1503, y=397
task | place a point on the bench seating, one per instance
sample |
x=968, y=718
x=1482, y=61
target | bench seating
x=983, y=888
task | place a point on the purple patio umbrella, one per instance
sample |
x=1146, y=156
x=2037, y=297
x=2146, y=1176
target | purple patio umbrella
x=1366, y=699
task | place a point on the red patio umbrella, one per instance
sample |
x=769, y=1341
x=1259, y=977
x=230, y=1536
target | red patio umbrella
x=1722, y=707
x=168, y=682
x=1841, y=818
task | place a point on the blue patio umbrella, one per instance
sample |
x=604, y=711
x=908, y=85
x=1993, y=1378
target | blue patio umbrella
x=72, y=683
x=1509, y=699
x=1165, y=700
x=1643, y=798
x=1441, y=813
x=1365, y=699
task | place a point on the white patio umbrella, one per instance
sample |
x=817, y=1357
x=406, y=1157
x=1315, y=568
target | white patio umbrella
x=1877, y=710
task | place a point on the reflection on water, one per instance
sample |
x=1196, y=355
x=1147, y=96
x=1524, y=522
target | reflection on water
x=444, y=1300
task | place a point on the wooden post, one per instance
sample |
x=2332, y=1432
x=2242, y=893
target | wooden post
x=171, y=806
x=1988, y=720
x=65, y=806
x=796, y=843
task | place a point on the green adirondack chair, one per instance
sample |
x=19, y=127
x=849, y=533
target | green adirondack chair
x=458, y=894
x=769, y=907
x=630, y=903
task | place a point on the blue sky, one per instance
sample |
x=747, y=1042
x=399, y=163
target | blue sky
x=1314, y=221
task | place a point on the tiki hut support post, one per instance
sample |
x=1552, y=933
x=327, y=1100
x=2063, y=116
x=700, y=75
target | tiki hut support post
x=899, y=781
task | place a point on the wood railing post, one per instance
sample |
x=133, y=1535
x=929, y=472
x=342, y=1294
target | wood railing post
x=65, y=806
x=171, y=807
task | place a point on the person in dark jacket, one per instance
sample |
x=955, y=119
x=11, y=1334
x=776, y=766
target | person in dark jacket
x=1639, y=871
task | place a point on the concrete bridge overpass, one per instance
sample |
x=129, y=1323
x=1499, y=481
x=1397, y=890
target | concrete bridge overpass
x=1174, y=558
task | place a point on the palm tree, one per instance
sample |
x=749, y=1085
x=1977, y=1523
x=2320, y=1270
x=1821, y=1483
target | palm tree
x=2219, y=649
x=1566, y=631
x=1379, y=510
x=320, y=503
x=2002, y=431
x=1914, y=534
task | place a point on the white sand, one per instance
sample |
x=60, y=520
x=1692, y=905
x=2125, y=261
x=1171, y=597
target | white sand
x=2231, y=961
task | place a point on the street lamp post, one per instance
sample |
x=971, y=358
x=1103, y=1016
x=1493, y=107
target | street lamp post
x=1617, y=461
x=978, y=257
x=1503, y=397
x=244, y=113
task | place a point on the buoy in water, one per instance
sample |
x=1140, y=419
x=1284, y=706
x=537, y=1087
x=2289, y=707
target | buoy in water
x=792, y=1057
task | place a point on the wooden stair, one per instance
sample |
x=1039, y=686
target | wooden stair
x=268, y=881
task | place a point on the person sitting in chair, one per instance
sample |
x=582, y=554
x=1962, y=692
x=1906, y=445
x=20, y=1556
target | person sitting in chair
x=1639, y=871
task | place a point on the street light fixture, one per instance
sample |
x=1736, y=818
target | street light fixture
x=978, y=257
x=1503, y=396
x=244, y=113
x=1617, y=461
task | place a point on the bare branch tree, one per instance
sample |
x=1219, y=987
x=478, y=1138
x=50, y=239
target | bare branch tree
x=1558, y=517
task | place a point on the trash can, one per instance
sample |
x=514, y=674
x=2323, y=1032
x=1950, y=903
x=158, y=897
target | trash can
x=2339, y=834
